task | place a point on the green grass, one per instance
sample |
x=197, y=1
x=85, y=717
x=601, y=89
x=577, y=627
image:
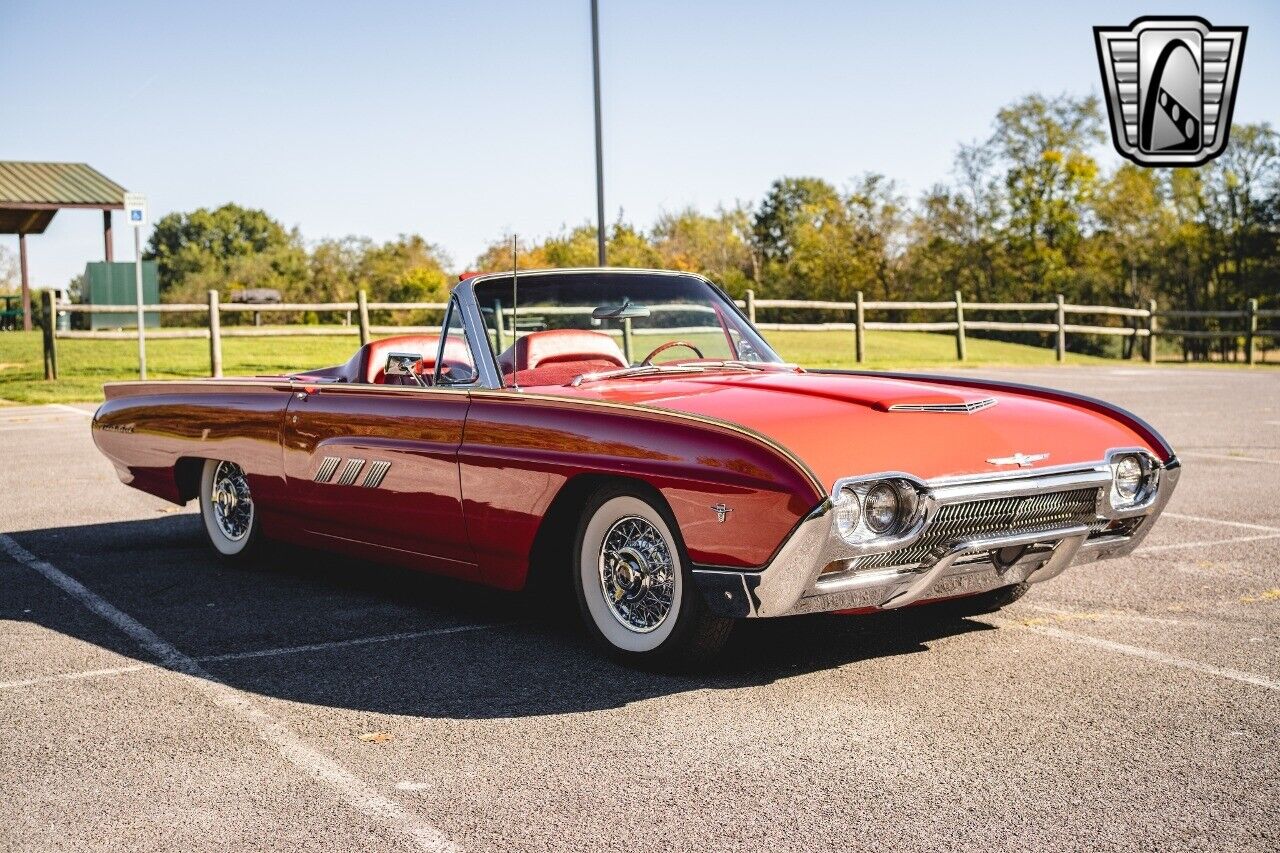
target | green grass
x=85, y=365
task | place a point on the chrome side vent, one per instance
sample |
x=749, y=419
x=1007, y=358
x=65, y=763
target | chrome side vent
x=954, y=408
x=327, y=467
x=377, y=471
x=350, y=472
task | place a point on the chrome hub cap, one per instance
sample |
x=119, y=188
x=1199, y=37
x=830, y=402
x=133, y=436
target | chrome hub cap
x=636, y=574
x=232, y=505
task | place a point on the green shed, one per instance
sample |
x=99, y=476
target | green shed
x=114, y=284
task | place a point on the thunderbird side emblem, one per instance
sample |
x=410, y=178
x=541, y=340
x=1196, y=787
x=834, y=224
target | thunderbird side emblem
x=721, y=511
x=1022, y=460
x=1170, y=87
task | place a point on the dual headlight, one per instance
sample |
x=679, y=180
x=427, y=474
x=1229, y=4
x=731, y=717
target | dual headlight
x=874, y=509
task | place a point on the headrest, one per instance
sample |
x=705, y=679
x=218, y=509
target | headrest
x=560, y=345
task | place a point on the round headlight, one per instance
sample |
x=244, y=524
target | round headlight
x=848, y=511
x=1128, y=477
x=881, y=508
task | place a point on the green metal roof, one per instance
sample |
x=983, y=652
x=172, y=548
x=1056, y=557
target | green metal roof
x=56, y=184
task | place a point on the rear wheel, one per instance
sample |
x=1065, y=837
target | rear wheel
x=633, y=584
x=226, y=504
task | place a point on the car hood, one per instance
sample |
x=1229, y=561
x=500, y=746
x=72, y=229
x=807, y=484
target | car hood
x=845, y=425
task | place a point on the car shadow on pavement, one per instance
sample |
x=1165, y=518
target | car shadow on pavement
x=329, y=629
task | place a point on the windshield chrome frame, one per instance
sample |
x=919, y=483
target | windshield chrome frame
x=490, y=375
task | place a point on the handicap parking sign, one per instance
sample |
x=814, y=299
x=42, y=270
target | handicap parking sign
x=135, y=206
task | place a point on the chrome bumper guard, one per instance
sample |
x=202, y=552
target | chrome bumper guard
x=794, y=581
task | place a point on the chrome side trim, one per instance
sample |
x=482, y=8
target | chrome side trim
x=377, y=471
x=327, y=467
x=350, y=472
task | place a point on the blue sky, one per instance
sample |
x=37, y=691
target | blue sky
x=465, y=120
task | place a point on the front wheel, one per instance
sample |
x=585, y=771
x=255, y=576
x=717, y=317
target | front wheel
x=226, y=504
x=633, y=583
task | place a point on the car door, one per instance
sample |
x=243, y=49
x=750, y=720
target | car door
x=378, y=465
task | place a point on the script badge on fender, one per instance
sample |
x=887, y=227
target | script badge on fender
x=1170, y=87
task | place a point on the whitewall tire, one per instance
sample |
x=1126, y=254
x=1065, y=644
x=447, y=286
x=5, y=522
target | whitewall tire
x=633, y=583
x=227, y=507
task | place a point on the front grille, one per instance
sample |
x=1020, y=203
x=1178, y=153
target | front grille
x=993, y=516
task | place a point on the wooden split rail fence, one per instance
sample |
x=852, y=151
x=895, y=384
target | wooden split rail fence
x=1146, y=322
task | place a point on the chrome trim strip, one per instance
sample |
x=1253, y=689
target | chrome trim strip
x=326, y=469
x=377, y=471
x=350, y=472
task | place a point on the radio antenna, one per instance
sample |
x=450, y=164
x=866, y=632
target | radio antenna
x=515, y=323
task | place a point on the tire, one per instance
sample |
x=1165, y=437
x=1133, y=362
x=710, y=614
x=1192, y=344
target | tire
x=633, y=584
x=231, y=522
x=985, y=602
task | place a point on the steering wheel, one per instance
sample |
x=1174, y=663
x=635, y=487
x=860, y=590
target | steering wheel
x=648, y=359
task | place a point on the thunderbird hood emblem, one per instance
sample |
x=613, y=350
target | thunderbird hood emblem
x=1022, y=460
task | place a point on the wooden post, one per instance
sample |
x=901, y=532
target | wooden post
x=215, y=336
x=500, y=324
x=108, y=244
x=26, y=284
x=1250, y=331
x=50, y=348
x=1062, y=331
x=1151, y=331
x=960, y=344
x=627, y=344
x=362, y=304
x=860, y=329
x=751, y=306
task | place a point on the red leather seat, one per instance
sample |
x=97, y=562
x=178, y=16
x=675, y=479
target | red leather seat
x=373, y=355
x=559, y=346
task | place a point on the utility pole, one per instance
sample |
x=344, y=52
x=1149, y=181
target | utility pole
x=595, y=73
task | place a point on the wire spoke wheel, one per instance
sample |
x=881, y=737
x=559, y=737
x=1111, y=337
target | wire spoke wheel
x=637, y=574
x=232, y=504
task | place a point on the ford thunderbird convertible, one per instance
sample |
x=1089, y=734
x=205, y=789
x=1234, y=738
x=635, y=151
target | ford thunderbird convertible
x=631, y=434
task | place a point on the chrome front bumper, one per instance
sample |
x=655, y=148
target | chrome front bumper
x=794, y=581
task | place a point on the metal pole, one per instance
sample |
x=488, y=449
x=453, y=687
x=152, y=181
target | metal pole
x=137, y=282
x=595, y=75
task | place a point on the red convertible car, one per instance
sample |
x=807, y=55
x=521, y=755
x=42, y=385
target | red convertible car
x=632, y=433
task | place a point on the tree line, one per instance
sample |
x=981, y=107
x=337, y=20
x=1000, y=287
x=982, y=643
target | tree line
x=1027, y=213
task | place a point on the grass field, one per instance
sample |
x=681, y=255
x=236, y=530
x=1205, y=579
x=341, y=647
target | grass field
x=85, y=365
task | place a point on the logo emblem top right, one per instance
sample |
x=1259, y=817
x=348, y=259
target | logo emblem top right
x=1170, y=88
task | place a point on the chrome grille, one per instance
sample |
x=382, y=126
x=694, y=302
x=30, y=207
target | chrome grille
x=1021, y=514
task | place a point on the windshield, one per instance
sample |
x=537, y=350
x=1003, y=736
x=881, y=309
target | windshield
x=597, y=322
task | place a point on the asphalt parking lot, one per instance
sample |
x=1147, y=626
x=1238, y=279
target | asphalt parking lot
x=154, y=698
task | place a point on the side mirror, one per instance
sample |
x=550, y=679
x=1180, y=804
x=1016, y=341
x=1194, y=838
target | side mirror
x=401, y=364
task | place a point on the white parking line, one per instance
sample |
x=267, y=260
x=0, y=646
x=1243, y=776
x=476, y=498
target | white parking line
x=356, y=792
x=1145, y=654
x=339, y=644
x=258, y=653
x=1173, y=546
x=1227, y=458
x=84, y=412
x=1206, y=520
